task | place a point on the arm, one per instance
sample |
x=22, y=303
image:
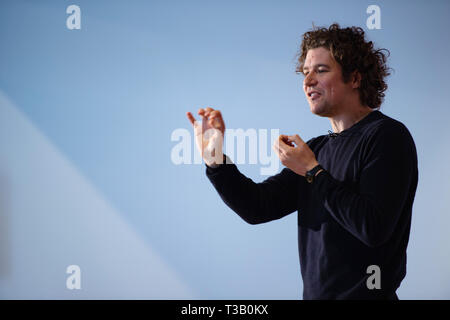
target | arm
x=274, y=198
x=388, y=173
x=256, y=203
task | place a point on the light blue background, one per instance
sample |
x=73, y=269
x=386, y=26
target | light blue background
x=86, y=118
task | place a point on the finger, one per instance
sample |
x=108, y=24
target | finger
x=201, y=112
x=216, y=115
x=296, y=138
x=282, y=139
x=282, y=146
x=190, y=117
x=208, y=110
x=279, y=151
x=285, y=140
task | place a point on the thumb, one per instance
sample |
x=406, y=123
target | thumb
x=296, y=138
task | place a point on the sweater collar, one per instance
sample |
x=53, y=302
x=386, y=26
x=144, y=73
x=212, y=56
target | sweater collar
x=367, y=119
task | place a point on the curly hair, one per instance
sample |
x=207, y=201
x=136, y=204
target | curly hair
x=352, y=52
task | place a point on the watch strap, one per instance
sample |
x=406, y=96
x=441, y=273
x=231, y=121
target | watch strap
x=310, y=175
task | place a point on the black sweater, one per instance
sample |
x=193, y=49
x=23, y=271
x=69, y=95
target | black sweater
x=355, y=214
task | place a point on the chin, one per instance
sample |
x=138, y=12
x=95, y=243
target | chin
x=319, y=110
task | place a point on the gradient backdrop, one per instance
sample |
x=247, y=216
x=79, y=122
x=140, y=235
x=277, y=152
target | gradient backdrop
x=86, y=118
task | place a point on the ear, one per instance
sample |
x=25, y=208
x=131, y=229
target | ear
x=356, y=79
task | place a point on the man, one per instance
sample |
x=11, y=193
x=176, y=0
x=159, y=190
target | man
x=353, y=188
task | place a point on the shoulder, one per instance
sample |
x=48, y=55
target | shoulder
x=386, y=134
x=385, y=127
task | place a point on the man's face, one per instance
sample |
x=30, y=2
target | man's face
x=323, y=85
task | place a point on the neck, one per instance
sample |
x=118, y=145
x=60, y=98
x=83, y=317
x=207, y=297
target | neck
x=345, y=120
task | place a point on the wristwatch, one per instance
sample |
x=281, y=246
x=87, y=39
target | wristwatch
x=310, y=175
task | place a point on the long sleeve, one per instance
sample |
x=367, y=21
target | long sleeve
x=274, y=198
x=388, y=175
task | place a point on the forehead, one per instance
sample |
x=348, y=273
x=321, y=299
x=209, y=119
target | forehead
x=319, y=55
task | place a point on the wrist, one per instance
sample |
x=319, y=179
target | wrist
x=318, y=172
x=311, y=174
x=312, y=165
x=213, y=158
x=215, y=164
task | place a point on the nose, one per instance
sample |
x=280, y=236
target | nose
x=310, y=80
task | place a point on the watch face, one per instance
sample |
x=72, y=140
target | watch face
x=312, y=173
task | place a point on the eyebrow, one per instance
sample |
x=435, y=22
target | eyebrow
x=317, y=65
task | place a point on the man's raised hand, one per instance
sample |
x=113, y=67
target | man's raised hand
x=209, y=134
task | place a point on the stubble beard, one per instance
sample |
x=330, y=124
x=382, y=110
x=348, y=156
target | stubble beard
x=322, y=109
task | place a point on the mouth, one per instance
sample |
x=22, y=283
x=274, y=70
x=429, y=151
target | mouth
x=314, y=95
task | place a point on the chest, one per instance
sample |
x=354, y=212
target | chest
x=342, y=158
